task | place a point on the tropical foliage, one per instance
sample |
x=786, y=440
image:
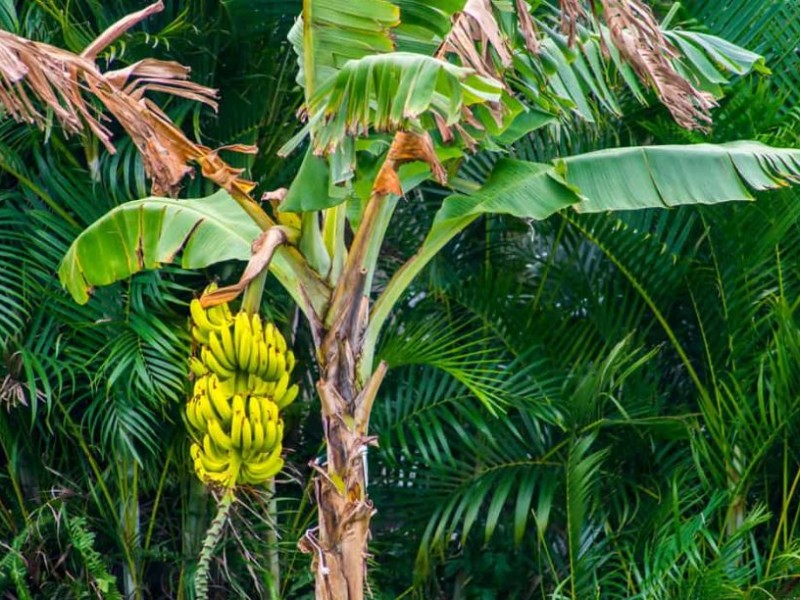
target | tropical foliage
x=602, y=402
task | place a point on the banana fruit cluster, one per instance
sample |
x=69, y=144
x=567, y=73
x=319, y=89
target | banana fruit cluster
x=242, y=370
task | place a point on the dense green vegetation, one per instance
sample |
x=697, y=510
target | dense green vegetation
x=645, y=364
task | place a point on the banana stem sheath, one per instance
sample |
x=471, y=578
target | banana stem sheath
x=251, y=303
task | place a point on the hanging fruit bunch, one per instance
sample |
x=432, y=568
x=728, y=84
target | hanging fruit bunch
x=242, y=369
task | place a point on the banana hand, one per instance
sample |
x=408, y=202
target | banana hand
x=268, y=467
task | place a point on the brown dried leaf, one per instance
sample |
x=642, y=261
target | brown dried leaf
x=262, y=250
x=475, y=32
x=117, y=29
x=66, y=84
x=527, y=27
x=274, y=195
x=639, y=39
x=475, y=27
x=571, y=12
x=406, y=147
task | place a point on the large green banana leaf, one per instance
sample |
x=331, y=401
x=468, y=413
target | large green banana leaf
x=615, y=179
x=390, y=92
x=147, y=233
x=663, y=176
x=331, y=32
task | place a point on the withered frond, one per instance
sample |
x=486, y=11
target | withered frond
x=638, y=38
x=474, y=32
x=571, y=12
x=473, y=36
x=527, y=27
x=36, y=78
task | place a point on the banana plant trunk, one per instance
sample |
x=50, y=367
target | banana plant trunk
x=338, y=545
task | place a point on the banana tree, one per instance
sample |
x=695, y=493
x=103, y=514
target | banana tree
x=397, y=93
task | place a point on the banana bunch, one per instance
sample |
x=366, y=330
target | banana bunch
x=242, y=370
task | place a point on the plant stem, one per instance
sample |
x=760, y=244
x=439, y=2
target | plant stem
x=251, y=302
x=272, y=539
x=159, y=492
x=213, y=536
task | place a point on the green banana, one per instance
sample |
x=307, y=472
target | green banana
x=215, y=346
x=219, y=400
x=269, y=412
x=226, y=338
x=266, y=468
x=288, y=397
x=228, y=386
x=234, y=470
x=209, y=476
x=214, y=455
x=269, y=334
x=256, y=327
x=271, y=373
x=199, y=336
x=212, y=363
x=280, y=387
x=270, y=435
x=281, y=365
x=253, y=364
x=253, y=407
x=236, y=429
x=220, y=438
x=263, y=366
x=191, y=416
x=259, y=432
x=201, y=385
x=197, y=367
x=219, y=315
x=205, y=411
x=247, y=437
x=241, y=381
x=200, y=317
x=238, y=404
x=253, y=381
x=212, y=466
x=194, y=451
x=280, y=342
x=199, y=416
x=243, y=338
